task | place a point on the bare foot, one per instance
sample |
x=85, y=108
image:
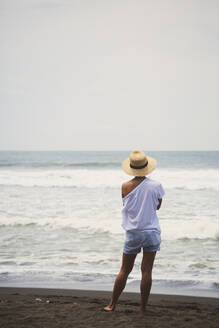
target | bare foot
x=109, y=308
x=143, y=311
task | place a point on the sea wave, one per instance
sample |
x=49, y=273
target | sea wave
x=183, y=283
x=186, y=231
x=101, y=281
x=200, y=230
x=61, y=165
x=179, y=179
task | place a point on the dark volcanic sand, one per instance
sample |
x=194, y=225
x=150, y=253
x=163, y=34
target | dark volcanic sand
x=29, y=307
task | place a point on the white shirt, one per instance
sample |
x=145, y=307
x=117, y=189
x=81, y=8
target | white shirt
x=140, y=205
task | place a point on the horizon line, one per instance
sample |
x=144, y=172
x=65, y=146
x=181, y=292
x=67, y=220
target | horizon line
x=86, y=150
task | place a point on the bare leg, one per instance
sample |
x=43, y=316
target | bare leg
x=120, y=282
x=146, y=280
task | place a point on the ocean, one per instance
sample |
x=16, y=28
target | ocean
x=60, y=221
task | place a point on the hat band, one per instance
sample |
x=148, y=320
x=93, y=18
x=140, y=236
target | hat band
x=138, y=167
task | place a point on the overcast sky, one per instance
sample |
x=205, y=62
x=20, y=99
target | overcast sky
x=109, y=74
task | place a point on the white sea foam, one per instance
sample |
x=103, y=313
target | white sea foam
x=190, y=179
x=201, y=228
x=190, y=229
x=90, y=226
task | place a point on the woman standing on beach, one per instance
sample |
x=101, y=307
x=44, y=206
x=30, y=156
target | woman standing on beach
x=141, y=197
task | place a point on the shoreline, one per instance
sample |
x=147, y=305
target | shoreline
x=48, y=307
x=158, y=287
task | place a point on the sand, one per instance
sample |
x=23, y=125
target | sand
x=37, y=307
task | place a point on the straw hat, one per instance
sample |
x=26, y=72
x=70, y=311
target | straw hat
x=138, y=164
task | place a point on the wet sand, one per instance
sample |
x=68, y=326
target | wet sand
x=38, y=307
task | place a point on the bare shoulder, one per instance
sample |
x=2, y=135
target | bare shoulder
x=126, y=187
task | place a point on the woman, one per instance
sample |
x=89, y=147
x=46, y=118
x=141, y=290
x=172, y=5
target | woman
x=141, y=197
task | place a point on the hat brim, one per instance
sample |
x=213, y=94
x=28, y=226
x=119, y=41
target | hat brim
x=152, y=163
